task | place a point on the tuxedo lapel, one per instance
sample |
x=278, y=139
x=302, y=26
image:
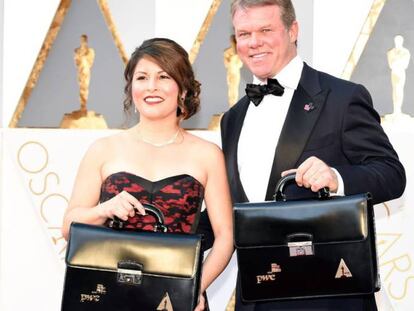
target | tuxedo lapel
x=304, y=110
x=230, y=144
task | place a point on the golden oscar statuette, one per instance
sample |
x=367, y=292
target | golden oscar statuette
x=233, y=64
x=398, y=60
x=84, y=119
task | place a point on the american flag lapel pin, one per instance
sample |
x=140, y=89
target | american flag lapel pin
x=309, y=107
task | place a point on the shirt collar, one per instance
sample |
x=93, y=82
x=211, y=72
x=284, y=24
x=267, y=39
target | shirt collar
x=289, y=76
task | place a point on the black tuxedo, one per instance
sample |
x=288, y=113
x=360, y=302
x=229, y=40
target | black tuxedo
x=343, y=130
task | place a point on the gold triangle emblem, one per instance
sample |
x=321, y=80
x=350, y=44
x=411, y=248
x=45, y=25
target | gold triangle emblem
x=343, y=270
x=165, y=304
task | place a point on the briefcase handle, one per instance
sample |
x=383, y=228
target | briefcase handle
x=280, y=186
x=151, y=209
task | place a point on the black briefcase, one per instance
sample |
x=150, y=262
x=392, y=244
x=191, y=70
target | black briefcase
x=307, y=248
x=118, y=270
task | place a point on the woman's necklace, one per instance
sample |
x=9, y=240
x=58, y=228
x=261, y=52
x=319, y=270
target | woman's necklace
x=161, y=144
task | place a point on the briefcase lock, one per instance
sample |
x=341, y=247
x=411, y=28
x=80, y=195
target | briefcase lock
x=304, y=248
x=129, y=272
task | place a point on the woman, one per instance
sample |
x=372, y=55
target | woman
x=156, y=161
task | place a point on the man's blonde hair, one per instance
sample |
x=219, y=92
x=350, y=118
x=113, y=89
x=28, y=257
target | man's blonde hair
x=288, y=15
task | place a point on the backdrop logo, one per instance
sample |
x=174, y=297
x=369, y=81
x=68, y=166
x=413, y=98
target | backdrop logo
x=50, y=204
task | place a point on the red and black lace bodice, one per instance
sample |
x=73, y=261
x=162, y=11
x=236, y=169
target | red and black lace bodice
x=178, y=197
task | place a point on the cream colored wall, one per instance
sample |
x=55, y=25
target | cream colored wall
x=1, y=61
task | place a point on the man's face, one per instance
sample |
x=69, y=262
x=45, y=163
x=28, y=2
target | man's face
x=263, y=43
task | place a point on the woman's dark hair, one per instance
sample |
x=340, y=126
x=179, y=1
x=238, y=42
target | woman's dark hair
x=173, y=59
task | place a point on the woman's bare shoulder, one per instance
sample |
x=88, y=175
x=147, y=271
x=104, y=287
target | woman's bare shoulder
x=103, y=145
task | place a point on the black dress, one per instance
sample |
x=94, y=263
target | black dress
x=178, y=197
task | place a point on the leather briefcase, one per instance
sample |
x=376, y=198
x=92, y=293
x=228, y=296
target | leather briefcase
x=110, y=269
x=307, y=248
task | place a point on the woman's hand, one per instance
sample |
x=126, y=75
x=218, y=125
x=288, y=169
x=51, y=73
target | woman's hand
x=201, y=306
x=123, y=205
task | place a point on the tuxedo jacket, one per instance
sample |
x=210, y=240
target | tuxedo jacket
x=333, y=120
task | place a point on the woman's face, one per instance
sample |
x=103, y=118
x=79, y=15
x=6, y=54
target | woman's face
x=154, y=92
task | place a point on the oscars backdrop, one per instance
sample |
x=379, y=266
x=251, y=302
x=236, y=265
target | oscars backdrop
x=74, y=80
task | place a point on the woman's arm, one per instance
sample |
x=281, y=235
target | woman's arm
x=219, y=206
x=84, y=204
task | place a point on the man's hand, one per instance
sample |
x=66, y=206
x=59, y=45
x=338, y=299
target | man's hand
x=315, y=174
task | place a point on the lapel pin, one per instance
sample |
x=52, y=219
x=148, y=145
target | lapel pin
x=309, y=107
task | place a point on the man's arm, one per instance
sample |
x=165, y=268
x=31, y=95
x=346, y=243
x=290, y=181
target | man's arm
x=373, y=165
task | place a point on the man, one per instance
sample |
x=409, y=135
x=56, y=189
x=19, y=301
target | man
x=323, y=128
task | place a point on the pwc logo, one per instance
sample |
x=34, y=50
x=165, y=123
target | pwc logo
x=270, y=276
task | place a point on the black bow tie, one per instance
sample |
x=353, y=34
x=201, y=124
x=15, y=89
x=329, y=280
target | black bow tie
x=256, y=92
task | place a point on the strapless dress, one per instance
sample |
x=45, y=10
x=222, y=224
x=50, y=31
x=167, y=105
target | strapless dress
x=178, y=197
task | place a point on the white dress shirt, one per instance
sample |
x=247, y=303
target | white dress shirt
x=261, y=130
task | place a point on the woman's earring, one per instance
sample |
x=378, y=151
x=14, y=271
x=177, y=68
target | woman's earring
x=135, y=109
x=180, y=107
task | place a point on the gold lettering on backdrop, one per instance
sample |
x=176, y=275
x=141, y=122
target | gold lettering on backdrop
x=401, y=264
x=42, y=204
x=404, y=293
x=387, y=209
x=44, y=183
x=397, y=265
x=22, y=150
x=386, y=241
x=36, y=150
x=57, y=238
